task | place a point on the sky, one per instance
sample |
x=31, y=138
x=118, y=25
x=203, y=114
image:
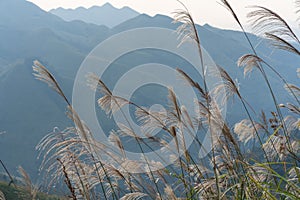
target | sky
x=203, y=11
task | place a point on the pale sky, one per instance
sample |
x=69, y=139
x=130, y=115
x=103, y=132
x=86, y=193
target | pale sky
x=203, y=11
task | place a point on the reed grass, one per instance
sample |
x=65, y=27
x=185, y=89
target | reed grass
x=72, y=155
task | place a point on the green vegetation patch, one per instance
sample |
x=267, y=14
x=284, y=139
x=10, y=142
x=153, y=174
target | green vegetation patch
x=19, y=193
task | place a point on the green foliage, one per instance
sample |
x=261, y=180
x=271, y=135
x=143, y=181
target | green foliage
x=20, y=193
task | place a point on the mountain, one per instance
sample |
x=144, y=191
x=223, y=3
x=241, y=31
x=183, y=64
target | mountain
x=34, y=32
x=30, y=110
x=101, y=15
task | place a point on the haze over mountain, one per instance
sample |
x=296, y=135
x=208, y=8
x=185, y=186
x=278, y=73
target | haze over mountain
x=101, y=15
x=30, y=110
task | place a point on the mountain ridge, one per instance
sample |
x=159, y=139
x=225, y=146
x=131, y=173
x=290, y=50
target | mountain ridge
x=97, y=14
x=30, y=109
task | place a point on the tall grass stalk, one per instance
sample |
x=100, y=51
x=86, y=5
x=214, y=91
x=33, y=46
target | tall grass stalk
x=267, y=16
x=226, y=173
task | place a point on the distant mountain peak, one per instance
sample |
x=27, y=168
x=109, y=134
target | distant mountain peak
x=108, y=5
x=127, y=8
x=79, y=8
x=106, y=14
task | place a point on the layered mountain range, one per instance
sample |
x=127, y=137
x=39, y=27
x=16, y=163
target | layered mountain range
x=61, y=39
x=101, y=15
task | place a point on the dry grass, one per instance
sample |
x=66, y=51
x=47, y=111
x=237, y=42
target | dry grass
x=273, y=173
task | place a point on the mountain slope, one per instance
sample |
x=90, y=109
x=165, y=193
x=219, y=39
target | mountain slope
x=29, y=109
x=33, y=32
